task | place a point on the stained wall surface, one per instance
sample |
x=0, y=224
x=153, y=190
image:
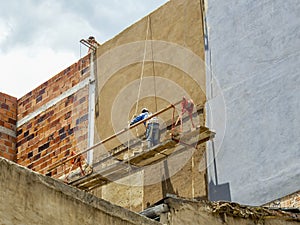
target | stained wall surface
x=253, y=53
x=154, y=62
x=289, y=201
x=31, y=198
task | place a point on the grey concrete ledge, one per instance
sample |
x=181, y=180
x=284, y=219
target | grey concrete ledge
x=7, y=131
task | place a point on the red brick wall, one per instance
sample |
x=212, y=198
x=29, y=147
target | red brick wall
x=8, y=116
x=57, y=130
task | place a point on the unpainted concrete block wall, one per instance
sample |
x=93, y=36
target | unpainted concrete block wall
x=8, y=122
x=52, y=119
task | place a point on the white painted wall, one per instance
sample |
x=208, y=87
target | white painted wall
x=254, y=56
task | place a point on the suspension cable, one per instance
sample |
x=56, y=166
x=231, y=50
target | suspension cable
x=143, y=65
x=153, y=65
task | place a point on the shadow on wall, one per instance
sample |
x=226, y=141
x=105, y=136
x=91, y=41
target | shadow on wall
x=167, y=187
x=219, y=192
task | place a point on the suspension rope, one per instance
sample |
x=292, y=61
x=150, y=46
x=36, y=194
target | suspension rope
x=143, y=65
x=129, y=168
x=80, y=60
x=153, y=65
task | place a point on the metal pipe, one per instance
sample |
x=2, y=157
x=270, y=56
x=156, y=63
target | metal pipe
x=91, y=108
x=215, y=162
x=111, y=137
x=155, y=211
x=87, y=44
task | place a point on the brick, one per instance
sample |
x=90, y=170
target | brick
x=30, y=154
x=4, y=106
x=68, y=115
x=84, y=70
x=26, y=101
x=26, y=133
x=82, y=119
x=54, y=123
x=62, y=130
x=52, y=129
x=12, y=151
x=36, y=157
x=28, y=106
x=6, y=125
x=12, y=121
x=19, y=132
x=29, y=126
x=51, y=113
x=70, y=131
x=42, y=91
x=42, y=118
x=39, y=98
x=44, y=146
x=8, y=143
x=62, y=136
x=30, y=137
x=10, y=114
x=83, y=99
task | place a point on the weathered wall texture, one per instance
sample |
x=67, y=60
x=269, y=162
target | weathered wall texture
x=184, y=212
x=52, y=119
x=8, y=122
x=289, y=201
x=30, y=198
x=166, y=49
x=253, y=52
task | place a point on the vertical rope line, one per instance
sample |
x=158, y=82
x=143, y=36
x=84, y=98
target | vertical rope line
x=193, y=177
x=129, y=168
x=153, y=64
x=80, y=63
x=202, y=11
x=143, y=65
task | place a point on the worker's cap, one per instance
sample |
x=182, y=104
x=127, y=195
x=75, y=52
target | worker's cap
x=144, y=110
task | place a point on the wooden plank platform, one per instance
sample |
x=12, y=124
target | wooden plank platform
x=121, y=169
x=151, y=153
x=103, y=176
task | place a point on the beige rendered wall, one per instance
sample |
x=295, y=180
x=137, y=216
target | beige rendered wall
x=166, y=49
x=31, y=198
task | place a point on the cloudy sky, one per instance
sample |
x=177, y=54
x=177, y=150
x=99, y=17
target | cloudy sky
x=39, y=38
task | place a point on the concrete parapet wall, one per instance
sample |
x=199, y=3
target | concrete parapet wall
x=30, y=198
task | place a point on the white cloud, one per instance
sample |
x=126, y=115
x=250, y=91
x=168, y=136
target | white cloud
x=4, y=30
x=22, y=70
x=38, y=39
